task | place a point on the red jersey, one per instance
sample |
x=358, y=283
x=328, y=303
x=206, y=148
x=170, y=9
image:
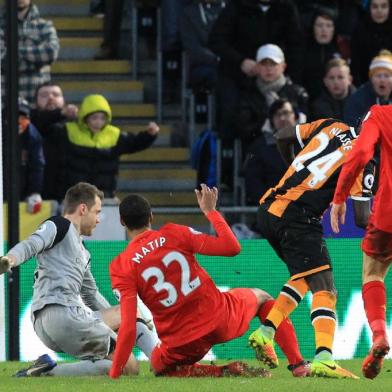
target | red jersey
x=160, y=267
x=376, y=129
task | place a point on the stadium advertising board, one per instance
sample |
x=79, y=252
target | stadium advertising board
x=256, y=266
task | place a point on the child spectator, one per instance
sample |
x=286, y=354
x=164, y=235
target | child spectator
x=376, y=91
x=92, y=145
x=338, y=88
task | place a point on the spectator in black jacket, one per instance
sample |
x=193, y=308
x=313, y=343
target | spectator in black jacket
x=377, y=91
x=32, y=159
x=347, y=13
x=241, y=28
x=338, y=88
x=50, y=108
x=321, y=47
x=244, y=25
x=264, y=166
x=195, y=25
x=92, y=146
x=370, y=36
x=269, y=85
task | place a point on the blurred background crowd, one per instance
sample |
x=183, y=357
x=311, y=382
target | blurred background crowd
x=241, y=69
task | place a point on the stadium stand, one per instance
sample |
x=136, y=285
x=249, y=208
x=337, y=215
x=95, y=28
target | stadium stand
x=162, y=173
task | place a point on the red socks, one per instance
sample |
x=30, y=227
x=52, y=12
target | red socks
x=285, y=335
x=374, y=299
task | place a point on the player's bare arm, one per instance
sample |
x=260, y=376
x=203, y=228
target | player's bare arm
x=207, y=198
x=338, y=215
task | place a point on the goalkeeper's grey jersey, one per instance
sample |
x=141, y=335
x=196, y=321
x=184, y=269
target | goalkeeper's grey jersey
x=63, y=274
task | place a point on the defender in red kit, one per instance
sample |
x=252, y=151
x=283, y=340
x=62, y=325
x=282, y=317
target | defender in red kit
x=190, y=313
x=377, y=244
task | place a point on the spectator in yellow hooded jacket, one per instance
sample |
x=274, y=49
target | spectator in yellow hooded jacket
x=92, y=146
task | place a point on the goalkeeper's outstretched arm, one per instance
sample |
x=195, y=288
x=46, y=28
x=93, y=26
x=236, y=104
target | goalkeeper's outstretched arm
x=40, y=240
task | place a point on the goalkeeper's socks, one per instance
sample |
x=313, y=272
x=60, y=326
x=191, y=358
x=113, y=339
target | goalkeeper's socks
x=288, y=299
x=374, y=300
x=82, y=368
x=285, y=335
x=323, y=319
x=146, y=339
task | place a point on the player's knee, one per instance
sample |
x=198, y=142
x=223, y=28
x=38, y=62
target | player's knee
x=322, y=281
x=262, y=296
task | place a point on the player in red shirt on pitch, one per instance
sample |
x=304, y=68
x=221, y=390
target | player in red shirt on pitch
x=190, y=313
x=377, y=244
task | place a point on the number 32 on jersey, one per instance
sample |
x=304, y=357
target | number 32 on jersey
x=187, y=285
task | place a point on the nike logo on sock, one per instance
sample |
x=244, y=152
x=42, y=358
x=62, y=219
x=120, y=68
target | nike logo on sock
x=328, y=366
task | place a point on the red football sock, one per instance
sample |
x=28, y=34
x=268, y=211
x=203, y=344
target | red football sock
x=196, y=370
x=375, y=300
x=285, y=335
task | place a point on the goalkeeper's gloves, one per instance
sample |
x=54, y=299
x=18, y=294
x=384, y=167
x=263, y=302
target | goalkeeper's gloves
x=6, y=263
x=34, y=203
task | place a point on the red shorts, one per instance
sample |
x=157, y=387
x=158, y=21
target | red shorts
x=377, y=243
x=241, y=307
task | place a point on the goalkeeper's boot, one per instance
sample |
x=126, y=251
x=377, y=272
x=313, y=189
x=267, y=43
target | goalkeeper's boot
x=330, y=369
x=42, y=365
x=372, y=364
x=241, y=369
x=300, y=369
x=264, y=348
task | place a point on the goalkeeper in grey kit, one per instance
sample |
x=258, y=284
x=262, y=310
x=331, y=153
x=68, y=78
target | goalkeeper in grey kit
x=68, y=312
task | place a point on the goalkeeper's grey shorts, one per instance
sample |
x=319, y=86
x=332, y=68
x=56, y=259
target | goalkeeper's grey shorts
x=74, y=330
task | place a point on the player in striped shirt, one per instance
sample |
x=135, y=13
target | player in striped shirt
x=289, y=217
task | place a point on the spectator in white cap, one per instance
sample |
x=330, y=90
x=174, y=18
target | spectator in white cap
x=272, y=53
x=260, y=93
x=375, y=91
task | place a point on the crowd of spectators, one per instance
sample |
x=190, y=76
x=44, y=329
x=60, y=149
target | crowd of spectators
x=333, y=61
x=316, y=59
x=61, y=144
x=65, y=144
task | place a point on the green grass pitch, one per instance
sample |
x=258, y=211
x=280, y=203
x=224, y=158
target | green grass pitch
x=281, y=381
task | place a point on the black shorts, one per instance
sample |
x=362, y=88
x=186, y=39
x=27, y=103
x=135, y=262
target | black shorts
x=298, y=242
